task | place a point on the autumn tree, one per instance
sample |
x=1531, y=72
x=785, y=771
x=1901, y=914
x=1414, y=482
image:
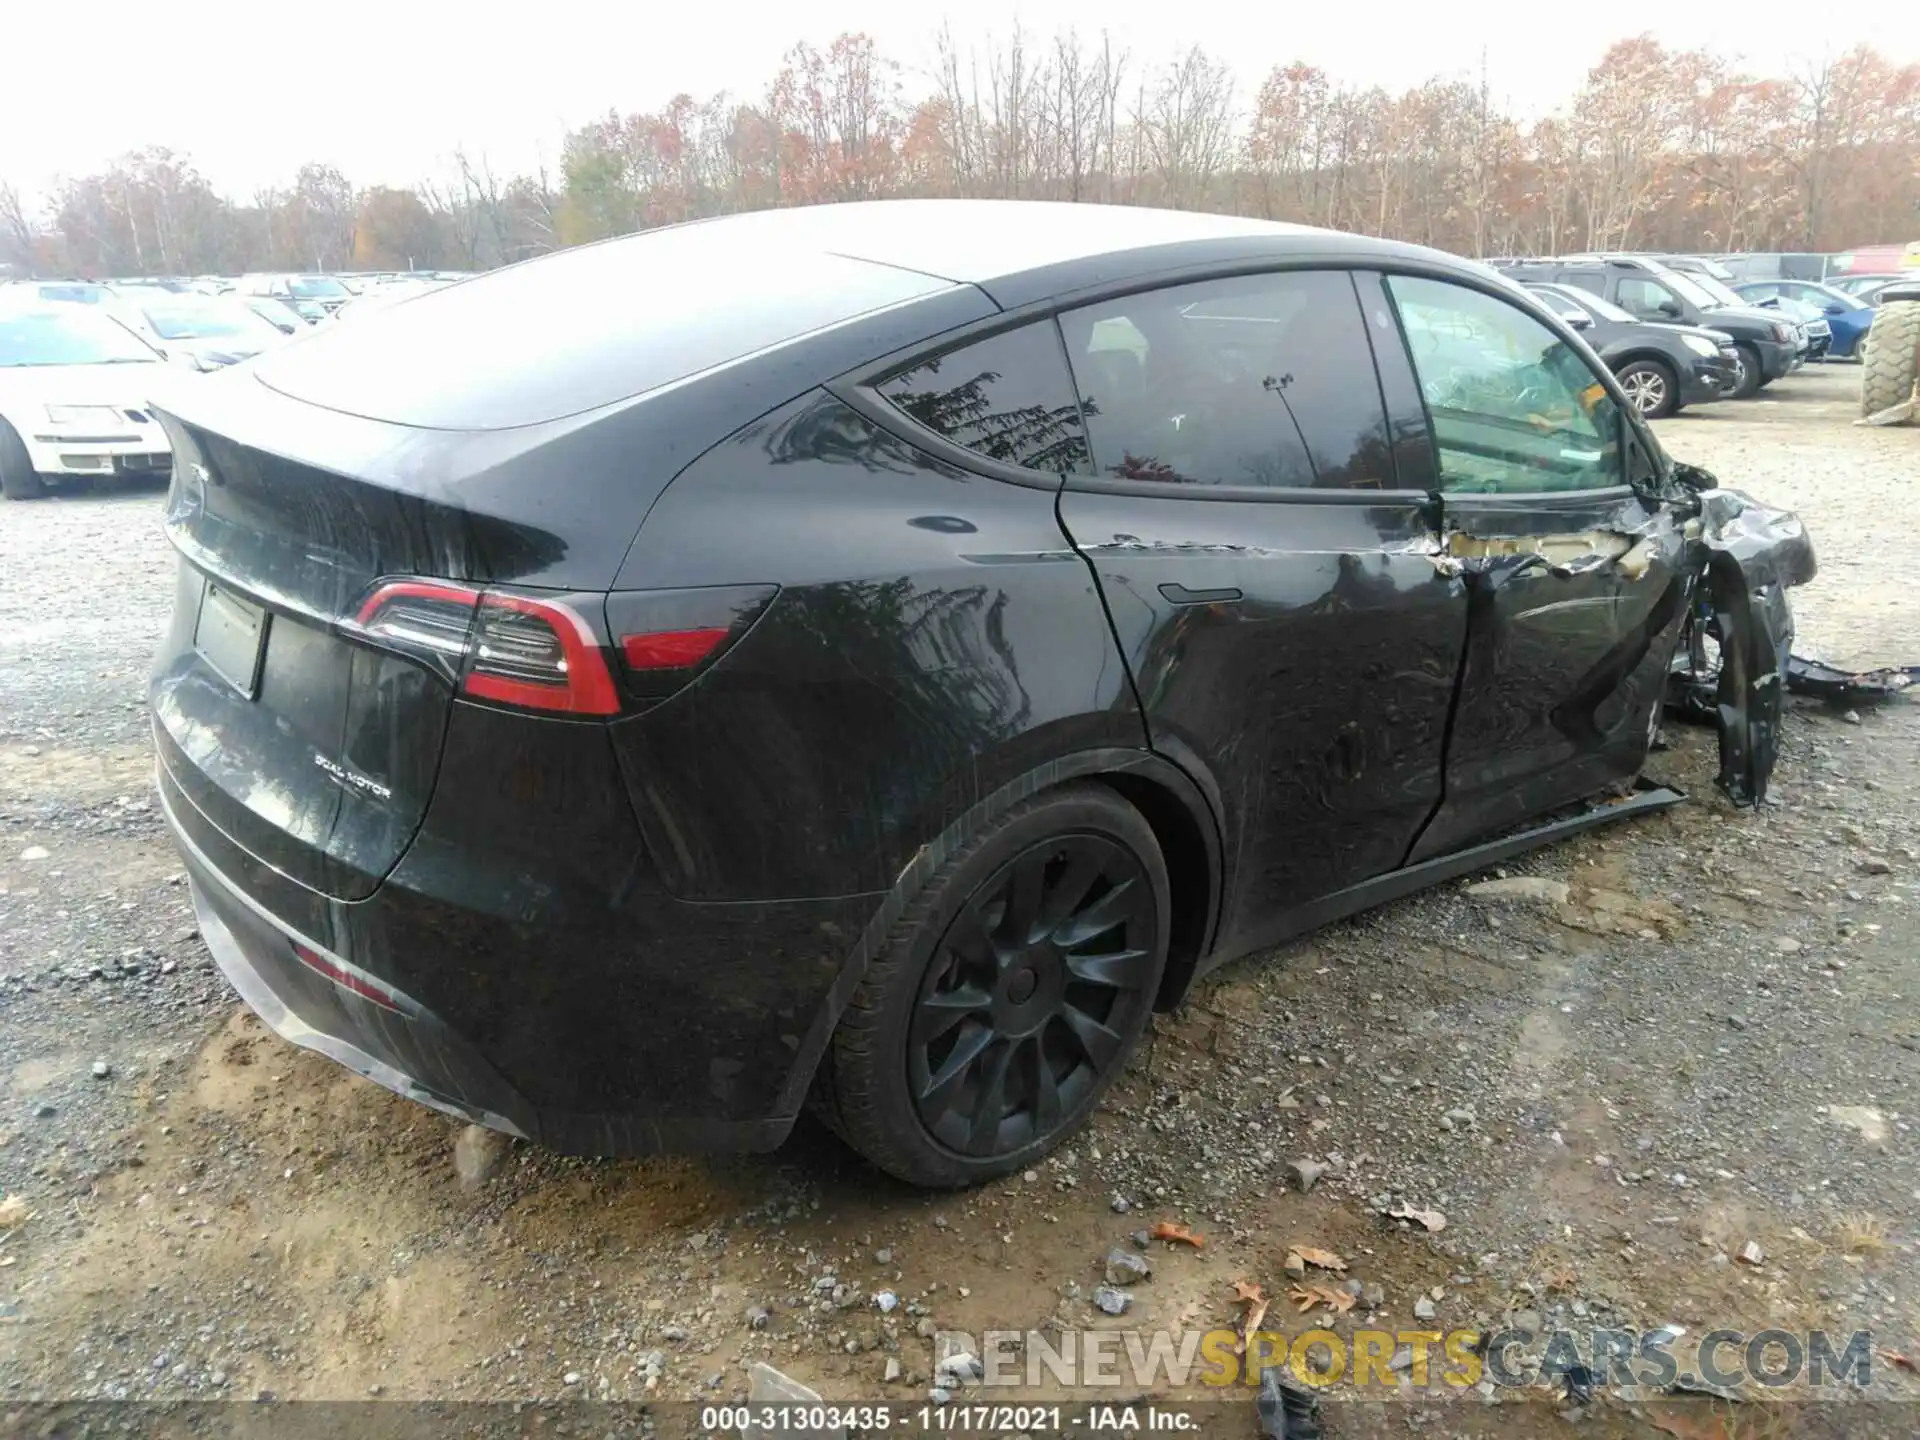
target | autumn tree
x=1658, y=148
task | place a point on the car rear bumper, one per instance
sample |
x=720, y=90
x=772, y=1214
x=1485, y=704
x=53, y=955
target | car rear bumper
x=531, y=976
x=397, y=1042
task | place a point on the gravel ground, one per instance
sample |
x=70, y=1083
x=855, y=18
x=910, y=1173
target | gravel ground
x=1706, y=1045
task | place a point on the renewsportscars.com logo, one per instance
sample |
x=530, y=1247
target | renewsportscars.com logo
x=1596, y=1358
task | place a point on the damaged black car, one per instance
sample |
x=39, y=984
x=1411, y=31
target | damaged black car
x=874, y=656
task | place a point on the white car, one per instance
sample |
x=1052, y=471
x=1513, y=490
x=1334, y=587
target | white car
x=205, y=331
x=379, y=296
x=75, y=387
x=314, y=296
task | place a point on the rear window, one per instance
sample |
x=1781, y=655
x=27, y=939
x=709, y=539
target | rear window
x=573, y=331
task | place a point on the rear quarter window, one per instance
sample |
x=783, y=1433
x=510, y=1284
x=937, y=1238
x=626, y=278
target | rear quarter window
x=1008, y=397
x=580, y=329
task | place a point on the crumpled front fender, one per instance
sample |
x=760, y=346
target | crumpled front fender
x=1747, y=555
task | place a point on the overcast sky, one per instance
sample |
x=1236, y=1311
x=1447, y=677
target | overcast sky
x=250, y=92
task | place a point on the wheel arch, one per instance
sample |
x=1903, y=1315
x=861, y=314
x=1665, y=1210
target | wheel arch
x=1643, y=355
x=1183, y=812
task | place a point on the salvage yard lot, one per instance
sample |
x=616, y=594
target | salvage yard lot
x=1713, y=1041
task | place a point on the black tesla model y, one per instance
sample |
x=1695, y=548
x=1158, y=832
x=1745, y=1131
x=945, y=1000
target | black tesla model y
x=879, y=654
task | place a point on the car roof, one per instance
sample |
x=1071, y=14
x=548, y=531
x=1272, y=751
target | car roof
x=666, y=307
x=1025, y=250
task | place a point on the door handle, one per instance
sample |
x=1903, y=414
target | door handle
x=1181, y=595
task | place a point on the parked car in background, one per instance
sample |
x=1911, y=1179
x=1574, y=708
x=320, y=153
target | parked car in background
x=314, y=296
x=75, y=391
x=1812, y=322
x=612, y=716
x=376, y=297
x=1663, y=368
x=208, y=331
x=1766, y=344
x=277, y=313
x=1848, y=317
x=171, y=284
x=1866, y=288
x=1717, y=280
x=63, y=292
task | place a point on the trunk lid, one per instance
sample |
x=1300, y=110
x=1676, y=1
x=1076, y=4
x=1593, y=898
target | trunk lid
x=310, y=746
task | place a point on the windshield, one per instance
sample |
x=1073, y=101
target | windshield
x=210, y=320
x=74, y=294
x=317, y=287
x=72, y=337
x=1721, y=293
x=1594, y=305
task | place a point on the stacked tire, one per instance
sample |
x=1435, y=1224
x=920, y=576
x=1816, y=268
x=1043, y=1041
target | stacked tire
x=1891, y=363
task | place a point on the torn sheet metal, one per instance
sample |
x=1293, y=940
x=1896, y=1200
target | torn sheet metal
x=1563, y=554
x=1731, y=665
x=1814, y=677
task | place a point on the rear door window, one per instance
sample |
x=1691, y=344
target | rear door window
x=1258, y=380
x=1008, y=397
x=1515, y=409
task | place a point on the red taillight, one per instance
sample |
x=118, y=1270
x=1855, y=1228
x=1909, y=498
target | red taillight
x=671, y=649
x=511, y=649
x=363, y=986
x=537, y=653
x=669, y=638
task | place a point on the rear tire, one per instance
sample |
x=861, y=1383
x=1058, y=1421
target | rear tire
x=17, y=478
x=1891, y=358
x=1751, y=377
x=1009, y=995
x=1652, y=387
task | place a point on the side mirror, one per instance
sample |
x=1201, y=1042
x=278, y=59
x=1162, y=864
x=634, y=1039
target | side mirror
x=1834, y=307
x=1577, y=319
x=1669, y=309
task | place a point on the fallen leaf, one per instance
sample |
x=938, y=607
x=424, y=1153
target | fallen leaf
x=1319, y=1259
x=1256, y=1312
x=1308, y=1296
x=1245, y=1290
x=1689, y=1422
x=1898, y=1361
x=1167, y=1230
x=1432, y=1219
x=14, y=1212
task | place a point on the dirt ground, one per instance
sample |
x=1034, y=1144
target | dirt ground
x=1709, y=1045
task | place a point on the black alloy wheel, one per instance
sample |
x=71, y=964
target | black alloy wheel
x=1031, y=994
x=1010, y=995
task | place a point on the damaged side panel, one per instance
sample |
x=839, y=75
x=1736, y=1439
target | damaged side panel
x=1575, y=603
x=1734, y=667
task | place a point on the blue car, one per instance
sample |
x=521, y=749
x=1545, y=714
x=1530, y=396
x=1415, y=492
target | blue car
x=1849, y=317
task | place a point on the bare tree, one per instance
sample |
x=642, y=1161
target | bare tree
x=17, y=231
x=1186, y=127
